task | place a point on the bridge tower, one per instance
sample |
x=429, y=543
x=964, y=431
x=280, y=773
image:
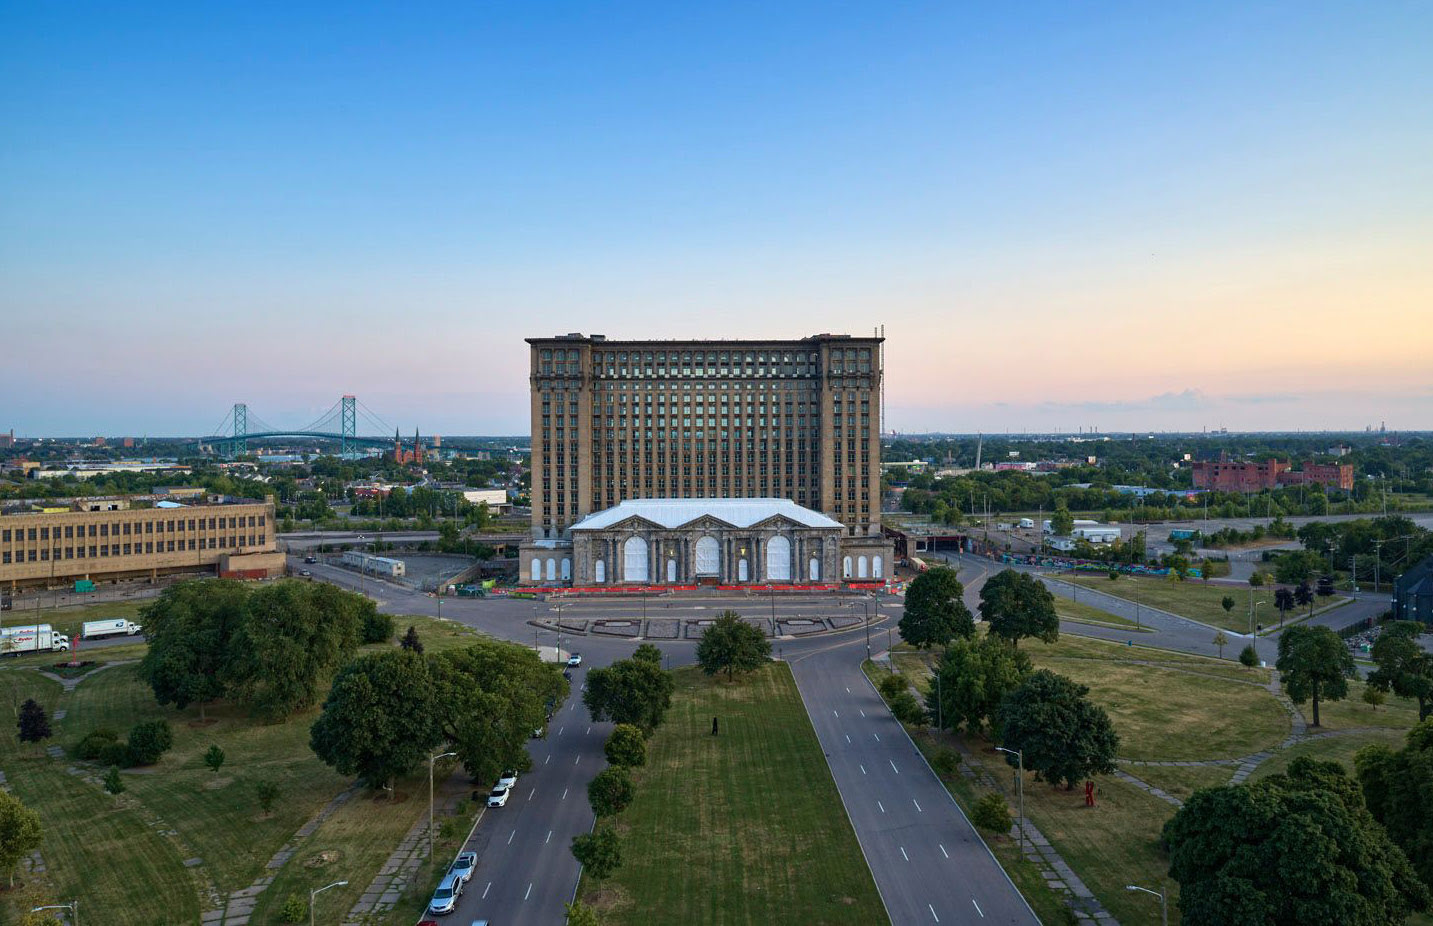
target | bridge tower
x=241, y=429
x=348, y=425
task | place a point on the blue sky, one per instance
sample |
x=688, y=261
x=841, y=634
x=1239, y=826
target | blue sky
x=1118, y=215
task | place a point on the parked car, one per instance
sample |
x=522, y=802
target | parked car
x=498, y=797
x=464, y=865
x=574, y=660
x=508, y=779
x=445, y=898
x=305, y=572
x=310, y=559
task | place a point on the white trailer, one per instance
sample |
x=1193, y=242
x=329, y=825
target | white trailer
x=32, y=638
x=109, y=628
x=1027, y=523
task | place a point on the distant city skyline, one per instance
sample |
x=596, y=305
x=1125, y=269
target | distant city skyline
x=1127, y=217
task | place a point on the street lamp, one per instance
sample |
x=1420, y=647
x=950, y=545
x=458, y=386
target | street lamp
x=73, y=906
x=867, y=605
x=313, y=894
x=1163, y=904
x=1252, y=613
x=1019, y=786
x=431, y=760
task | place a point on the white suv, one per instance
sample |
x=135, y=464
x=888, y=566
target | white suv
x=498, y=797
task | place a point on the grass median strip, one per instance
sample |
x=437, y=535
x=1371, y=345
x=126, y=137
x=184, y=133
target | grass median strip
x=745, y=827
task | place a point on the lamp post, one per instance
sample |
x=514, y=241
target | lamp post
x=313, y=894
x=1019, y=787
x=73, y=906
x=1163, y=903
x=1253, y=612
x=431, y=760
x=867, y=605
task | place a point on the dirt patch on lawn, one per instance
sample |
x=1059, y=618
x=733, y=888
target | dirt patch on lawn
x=214, y=784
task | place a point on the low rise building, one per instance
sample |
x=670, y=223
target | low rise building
x=375, y=565
x=1413, y=594
x=125, y=538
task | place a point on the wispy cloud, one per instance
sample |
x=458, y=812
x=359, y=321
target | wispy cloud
x=1184, y=401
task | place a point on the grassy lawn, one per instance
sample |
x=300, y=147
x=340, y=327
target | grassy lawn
x=69, y=620
x=763, y=839
x=1085, y=614
x=125, y=855
x=1181, y=782
x=1193, y=599
x=1338, y=749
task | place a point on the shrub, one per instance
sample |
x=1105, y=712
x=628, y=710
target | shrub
x=626, y=746
x=892, y=685
x=1249, y=656
x=115, y=754
x=93, y=743
x=1114, y=575
x=946, y=762
x=908, y=710
x=295, y=909
x=610, y=791
x=214, y=757
x=377, y=628
x=150, y=740
x=267, y=792
x=112, y=782
x=991, y=813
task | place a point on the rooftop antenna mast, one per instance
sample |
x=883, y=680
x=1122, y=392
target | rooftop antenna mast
x=979, y=446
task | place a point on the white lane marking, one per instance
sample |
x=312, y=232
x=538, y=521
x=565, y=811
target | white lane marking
x=942, y=851
x=510, y=836
x=529, y=891
x=848, y=691
x=589, y=730
x=485, y=891
x=548, y=839
x=893, y=766
x=877, y=736
x=531, y=793
x=903, y=854
x=573, y=707
x=833, y=710
x=863, y=769
x=882, y=806
x=936, y=918
x=576, y=760
x=560, y=729
x=848, y=737
x=918, y=805
x=548, y=759
x=564, y=795
x=977, y=909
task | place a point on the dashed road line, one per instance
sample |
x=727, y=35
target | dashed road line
x=485, y=891
x=528, y=894
x=882, y=806
x=942, y=850
x=510, y=836
x=903, y=854
x=931, y=908
x=918, y=805
x=893, y=766
x=977, y=908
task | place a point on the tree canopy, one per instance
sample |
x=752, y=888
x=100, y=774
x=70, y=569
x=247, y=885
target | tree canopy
x=1016, y=605
x=626, y=746
x=1398, y=788
x=20, y=833
x=34, y=723
x=935, y=611
x=380, y=718
x=1288, y=850
x=972, y=677
x=190, y=628
x=629, y=691
x=1314, y=665
x=1403, y=667
x=1063, y=735
x=732, y=645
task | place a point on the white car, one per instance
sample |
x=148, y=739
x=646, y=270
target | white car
x=508, y=779
x=445, y=898
x=498, y=797
x=463, y=866
x=574, y=660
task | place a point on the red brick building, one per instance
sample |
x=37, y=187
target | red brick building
x=1329, y=475
x=1248, y=477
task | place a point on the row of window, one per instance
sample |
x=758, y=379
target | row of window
x=127, y=528
x=148, y=547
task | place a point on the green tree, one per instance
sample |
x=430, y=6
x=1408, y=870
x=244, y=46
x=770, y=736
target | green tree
x=491, y=696
x=1397, y=787
x=732, y=645
x=34, y=723
x=1314, y=665
x=374, y=627
x=1248, y=656
x=626, y=746
x=610, y=791
x=1373, y=697
x=1221, y=641
x=1016, y=605
x=112, y=782
x=380, y=720
x=907, y=709
x=1064, y=736
x=935, y=611
x=629, y=691
x=1288, y=850
x=294, y=909
x=598, y=852
x=1298, y=566
x=646, y=652
x=214, y=758
x=410, y=640
x=1257, y=579
x=20, y=833
x=1061, y=521
x=190, y=628
x=1403, y=667
x=1227, y=603
x=972, y=677
x=268, y=794
x=149, y=741
x=992, y=814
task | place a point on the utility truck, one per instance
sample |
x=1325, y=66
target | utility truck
x=109, y=628
x=32, y=638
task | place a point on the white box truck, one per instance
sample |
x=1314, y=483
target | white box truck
x=32, y=638
x=1027, y=523
x=109, y=628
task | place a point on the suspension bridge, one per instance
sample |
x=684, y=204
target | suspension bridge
x=340, y=423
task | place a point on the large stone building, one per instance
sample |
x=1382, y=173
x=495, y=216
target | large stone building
x=617, y=421
x=122, y=538
x=1224, y=475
